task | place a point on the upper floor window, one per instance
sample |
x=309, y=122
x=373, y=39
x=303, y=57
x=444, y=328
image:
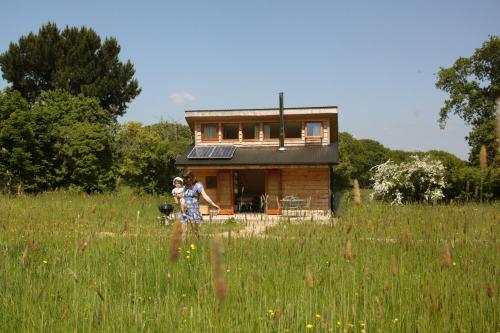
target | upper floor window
x=250, y=131
x=293, y=129
x=230, y=131
x=313, y=129
x=271, y=130
x=209, y=132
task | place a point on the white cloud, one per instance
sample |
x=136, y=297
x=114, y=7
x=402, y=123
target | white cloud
x=181, y=97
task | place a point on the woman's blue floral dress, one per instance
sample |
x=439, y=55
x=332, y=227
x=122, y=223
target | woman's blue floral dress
x=192, y=197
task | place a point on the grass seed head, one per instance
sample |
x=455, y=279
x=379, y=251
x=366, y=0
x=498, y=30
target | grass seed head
x=357, y=193
x=175, y=241
x=370, y=226
x=378, y=309
x=446, y=256
x=218, y=269
x=277, y=316
x=489, y=291
x=394, y=265
x=348, y=250
x=308, y=275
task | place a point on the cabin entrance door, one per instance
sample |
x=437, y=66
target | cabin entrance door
x=225, y=197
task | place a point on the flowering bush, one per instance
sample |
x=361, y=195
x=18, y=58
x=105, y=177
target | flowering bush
x=420, y=179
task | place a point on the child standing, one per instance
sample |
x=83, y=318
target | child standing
x=178, y=193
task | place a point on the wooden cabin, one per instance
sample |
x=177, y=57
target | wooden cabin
x=264, y=160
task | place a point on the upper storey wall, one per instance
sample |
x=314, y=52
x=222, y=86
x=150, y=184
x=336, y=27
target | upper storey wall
x=259, y=131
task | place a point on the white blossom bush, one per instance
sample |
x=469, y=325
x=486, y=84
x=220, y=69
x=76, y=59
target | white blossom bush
x=421, y=179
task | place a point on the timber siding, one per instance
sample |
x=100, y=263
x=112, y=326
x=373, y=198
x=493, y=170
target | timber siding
x=308, y=182
x=325, y=140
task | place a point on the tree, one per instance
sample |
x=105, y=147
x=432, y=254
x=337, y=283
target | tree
x=18, y=146
x=357, y=157
x=473, y=84
x=146, y=154
x=61, y=140
x=73, y=60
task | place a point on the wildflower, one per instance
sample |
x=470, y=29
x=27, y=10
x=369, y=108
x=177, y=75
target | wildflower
x=193, y=247
x=318, y=316
x=188, y=257
x=45, y=261
x=395, y=320
x=339, y=323
x=183, y=295
x=454, y=263
x=188, y=252
x=309, y=326
x=228, y=270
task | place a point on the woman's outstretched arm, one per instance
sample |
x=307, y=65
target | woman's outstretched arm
x=209, y=200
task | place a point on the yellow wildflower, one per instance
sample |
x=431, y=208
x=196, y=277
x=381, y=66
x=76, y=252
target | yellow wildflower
x=309, y=326
x=193, y=247
x=454, y=263
x=45, y=261
x=318, y=316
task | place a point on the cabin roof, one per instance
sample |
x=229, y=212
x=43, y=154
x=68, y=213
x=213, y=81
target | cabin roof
x=293, y=155
x=191, y=115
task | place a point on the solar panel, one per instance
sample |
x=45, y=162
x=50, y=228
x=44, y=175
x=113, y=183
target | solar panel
x=215, y=152
x=223, y=152
x=200, y=152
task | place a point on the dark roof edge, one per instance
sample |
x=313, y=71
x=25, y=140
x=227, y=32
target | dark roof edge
x=263, y=109
x=254, y=164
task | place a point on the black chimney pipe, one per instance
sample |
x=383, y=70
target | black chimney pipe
x=282, y=124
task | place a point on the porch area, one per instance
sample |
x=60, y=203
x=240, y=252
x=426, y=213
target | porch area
x=267, y=193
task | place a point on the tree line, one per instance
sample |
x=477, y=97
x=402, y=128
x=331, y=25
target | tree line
x=59, y=121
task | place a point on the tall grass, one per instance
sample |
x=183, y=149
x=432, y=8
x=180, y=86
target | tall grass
x=74, y=262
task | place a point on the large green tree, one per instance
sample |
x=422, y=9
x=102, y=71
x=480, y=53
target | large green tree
x=61, y=140
x=74, y=60
x=473, y=84
x=146, y=154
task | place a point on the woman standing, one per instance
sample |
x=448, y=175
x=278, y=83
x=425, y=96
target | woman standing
x=192, y=193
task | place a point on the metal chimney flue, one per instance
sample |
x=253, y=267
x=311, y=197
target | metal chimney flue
x=282, y=125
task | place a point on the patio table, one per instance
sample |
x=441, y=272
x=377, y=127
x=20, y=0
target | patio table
x=292, y=203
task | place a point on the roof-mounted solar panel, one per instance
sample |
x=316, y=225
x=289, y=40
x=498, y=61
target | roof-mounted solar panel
x=223, y=152
x=212, y=152
x=200, y=152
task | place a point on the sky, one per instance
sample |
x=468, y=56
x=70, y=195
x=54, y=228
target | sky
x=376, y=60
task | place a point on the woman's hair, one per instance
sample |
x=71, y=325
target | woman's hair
x=189, y=178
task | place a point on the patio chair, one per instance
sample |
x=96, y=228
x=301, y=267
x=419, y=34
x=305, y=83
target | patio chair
x=307, y=205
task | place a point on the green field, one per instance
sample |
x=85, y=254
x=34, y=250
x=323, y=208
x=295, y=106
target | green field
x=75, y=262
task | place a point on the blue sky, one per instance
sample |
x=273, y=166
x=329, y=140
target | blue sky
x=375, y=60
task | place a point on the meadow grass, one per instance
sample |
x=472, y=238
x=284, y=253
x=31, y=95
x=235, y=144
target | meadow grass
x=76, y=262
